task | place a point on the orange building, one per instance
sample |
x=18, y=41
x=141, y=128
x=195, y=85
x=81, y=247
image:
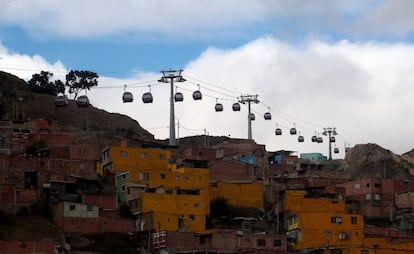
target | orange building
x=318, y=224
x=164, y=194
x=239, y=194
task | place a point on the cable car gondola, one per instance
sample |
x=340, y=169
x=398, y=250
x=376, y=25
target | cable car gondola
x=332, y=139
x=252, y=117
x=178, y=97
x=61, y=100
x=236, y=106
x=320, y=140
x=278, y=131
x=293, y=130
x=82, y=101
x=314, y=139
x=127, y=97
x=301, y=139
x=219, y=107
x=267, y=115
x=336, y=150
x=147, y=97
x=197, y=94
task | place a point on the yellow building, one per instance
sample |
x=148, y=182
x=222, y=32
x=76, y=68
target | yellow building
x=163, y=193
x=321, y=225
x=243, y=194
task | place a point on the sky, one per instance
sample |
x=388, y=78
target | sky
x=313, y=64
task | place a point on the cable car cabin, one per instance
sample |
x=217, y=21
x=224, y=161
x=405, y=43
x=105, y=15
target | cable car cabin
x=236, y=106
x=267, y=116
x=219, y=107
x=197, y=95
x=301, y=139
x=336, y=150
x=82, y=101
x=332, y=139
x=61, y=100
x=252, y=117
x=278, y=131
x=320, y=140
x=147, y=97
x=127, y=97
x=178, y=97
x=292, y=131
x=314, y=139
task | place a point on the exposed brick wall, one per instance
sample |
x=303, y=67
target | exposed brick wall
x=105, y=202
x=231, y=171
x=27, y=247
x=89, y=225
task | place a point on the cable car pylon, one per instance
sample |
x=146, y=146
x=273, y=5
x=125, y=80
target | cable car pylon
x=169, y=76
x=249, y=99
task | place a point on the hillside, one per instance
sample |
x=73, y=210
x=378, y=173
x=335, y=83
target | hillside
x=371, y=160
x=18, y=102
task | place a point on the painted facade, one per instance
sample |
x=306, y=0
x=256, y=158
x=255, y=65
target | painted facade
x=318, y=224
x=239, y=194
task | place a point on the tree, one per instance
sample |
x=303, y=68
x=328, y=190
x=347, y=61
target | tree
x=77, y=81
x=40, y=83
x=60, y=86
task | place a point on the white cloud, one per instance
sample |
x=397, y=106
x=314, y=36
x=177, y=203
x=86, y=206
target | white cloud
x=363, y=89
x=24, y=66
x=206, y=18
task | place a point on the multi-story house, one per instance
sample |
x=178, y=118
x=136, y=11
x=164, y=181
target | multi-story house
x=165, y=194
x=316, y=223
x=376, y=196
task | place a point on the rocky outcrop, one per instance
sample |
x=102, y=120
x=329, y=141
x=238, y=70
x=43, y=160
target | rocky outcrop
x=371, y=160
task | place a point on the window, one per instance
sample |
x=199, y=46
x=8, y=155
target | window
x=261, y=242
x=163, y=176
x=82, y=166
x=368, y=185
x=177, y=177
x=377, y=196
x=89, y=208
x=143, y=155
x=357, y=186
x=123, y=188
x=196, y=205
x=377, y=185
x=81, y=151
x=123, y=154
x=162, y=156
x=364, y=252
x=277, y=242
x=368, y=196
x=144, y=176
x=292, y=220
x=336, y=251
x=328, y=233
x=72, y=207
x=354, y=220
x=336, y=220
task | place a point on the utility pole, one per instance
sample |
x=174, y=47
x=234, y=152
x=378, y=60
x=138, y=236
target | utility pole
x=249, y=99
x=330, y=132
x=169, y=76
